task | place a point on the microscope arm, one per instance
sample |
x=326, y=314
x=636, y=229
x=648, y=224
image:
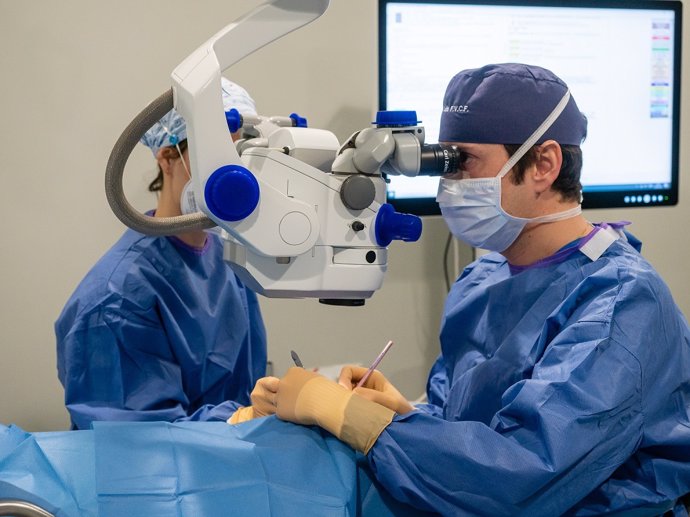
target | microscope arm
x=255, y=208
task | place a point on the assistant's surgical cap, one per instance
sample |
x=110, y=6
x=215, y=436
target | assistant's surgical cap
x=172, y=128
x=505, y=103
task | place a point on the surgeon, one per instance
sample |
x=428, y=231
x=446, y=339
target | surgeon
x=161, y=328
x=563, y=384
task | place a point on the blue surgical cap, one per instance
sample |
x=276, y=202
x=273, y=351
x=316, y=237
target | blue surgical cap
x=505, y=103
x=172, y=128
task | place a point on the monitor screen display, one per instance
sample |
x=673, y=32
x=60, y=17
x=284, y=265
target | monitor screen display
x=621, y=60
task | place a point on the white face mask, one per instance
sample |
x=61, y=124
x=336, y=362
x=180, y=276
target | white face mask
x=188, y=206
x=187, y=201
x=472, y=207
x=472, y=210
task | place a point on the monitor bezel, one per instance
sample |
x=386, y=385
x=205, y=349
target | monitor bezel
x=591, y=199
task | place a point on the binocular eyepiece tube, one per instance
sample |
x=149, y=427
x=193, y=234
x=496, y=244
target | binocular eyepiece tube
x=439, y=159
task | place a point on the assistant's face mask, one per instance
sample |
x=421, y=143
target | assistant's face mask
x=472, y=207
x=188, y=206
x=187, y=201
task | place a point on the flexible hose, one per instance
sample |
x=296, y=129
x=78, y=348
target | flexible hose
x=19, y=508
x=114, y=171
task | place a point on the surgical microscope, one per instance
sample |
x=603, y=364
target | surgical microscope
x=300, y=214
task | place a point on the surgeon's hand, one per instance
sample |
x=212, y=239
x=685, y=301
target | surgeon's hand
x=308, y=398
x=263, y=401
x=376, y=388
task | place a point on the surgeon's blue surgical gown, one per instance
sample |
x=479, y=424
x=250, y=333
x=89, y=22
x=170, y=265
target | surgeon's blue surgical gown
x=159, y=330
x=562, y=389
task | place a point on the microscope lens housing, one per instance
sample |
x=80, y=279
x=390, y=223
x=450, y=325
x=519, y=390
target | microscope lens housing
x=439, y=159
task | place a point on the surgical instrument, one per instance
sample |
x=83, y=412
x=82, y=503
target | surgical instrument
x=296, y=359
x=374, y=364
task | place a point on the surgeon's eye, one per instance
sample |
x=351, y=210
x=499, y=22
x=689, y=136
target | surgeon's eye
x=463, y=157
x=464, y=164
x=459, y=165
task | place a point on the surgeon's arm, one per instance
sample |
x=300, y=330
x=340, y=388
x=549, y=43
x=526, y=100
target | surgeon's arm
x=310, y=399
x=551, y=444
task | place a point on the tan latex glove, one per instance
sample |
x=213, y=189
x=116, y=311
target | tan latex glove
x=376, y=388
x=263, y=401
x=310, y=399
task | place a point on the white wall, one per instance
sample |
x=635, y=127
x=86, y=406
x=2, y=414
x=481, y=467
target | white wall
x=75, y=72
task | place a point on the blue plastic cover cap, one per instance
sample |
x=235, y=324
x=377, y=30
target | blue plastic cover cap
x=398, y=118
x=232, y=192
x=392, y=225
x=298, y=121
x=234, y=120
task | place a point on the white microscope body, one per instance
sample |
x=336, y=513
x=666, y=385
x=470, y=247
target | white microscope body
x=293, y=229
x=302, y=238
x=301, y=215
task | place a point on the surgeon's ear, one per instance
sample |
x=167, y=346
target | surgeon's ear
x=548, y=165
x=165, y=156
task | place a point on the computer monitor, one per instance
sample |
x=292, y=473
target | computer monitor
x=621, y=60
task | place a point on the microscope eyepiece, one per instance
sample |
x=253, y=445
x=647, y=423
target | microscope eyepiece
x=439, y=159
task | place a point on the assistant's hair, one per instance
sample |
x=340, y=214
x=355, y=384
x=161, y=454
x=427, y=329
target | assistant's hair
x=568, y=182
x=171, y=153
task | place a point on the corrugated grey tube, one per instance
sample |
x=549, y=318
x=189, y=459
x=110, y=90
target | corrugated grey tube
x=19, y=508
x=115, y=170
